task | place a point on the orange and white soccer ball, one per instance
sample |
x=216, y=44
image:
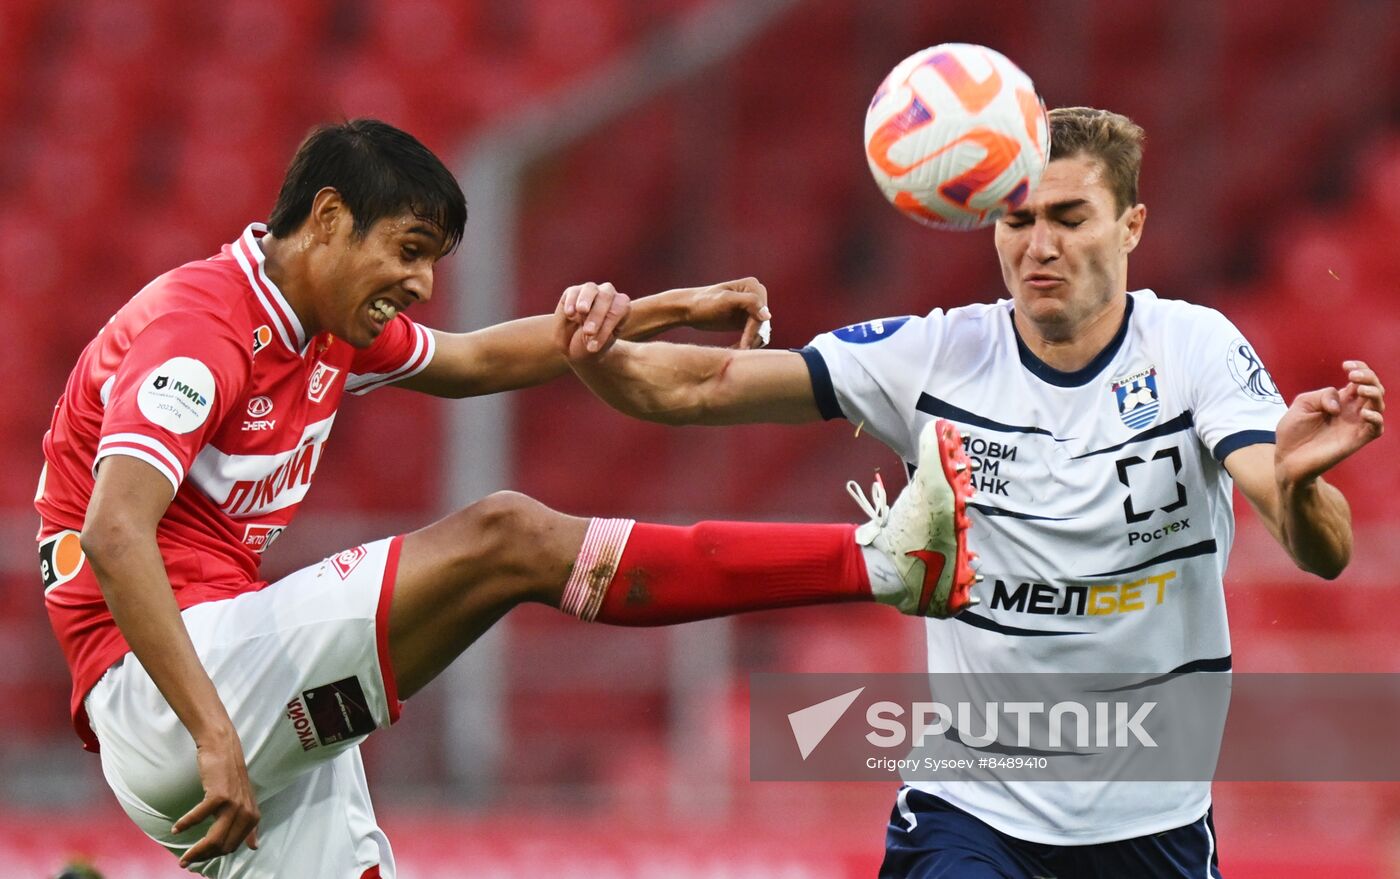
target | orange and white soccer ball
x=956, y=136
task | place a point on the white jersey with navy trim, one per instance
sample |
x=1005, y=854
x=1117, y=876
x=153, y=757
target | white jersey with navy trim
x=1103, y=515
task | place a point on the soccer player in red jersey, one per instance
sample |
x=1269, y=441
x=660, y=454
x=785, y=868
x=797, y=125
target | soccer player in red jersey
x=229, y=710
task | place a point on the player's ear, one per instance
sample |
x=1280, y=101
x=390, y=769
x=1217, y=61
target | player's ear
x=1135, y=217
x=328, y=213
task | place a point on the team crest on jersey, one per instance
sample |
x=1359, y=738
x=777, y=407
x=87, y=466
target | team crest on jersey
x=870, y=331
x=1136, y=395
x=262, y=337
x=322, y=377
x=346, y=561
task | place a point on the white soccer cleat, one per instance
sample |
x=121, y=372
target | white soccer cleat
x=924, y=534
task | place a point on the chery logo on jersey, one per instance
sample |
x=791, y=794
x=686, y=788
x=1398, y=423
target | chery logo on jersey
x=252, y=485
x=177, y=395
x=257, y=408
x=322, y=377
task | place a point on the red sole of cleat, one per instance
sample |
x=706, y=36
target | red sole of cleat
x=951, y=454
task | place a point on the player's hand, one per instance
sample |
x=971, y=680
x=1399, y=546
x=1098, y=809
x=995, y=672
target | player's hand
x=741, y=304
x=228, y=799
x=1324, y=427
x=596, y=312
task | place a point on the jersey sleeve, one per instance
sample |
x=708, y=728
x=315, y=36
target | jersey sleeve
x=872, y=373
x=173, y=388
x=402, y=350
x=1234, y=400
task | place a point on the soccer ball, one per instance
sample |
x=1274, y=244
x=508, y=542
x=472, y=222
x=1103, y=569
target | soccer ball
x=956, y=136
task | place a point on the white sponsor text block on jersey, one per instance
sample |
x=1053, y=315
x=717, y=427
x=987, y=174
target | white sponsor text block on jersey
x=253, y=485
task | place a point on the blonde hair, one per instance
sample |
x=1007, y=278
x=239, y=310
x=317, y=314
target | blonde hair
x=1112, y=138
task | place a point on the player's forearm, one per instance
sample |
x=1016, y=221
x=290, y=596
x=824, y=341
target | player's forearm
x=522, y=353
x=655, y=381
x=539, y=359
x=1315, y=521
x=133, y=579
x=655, y=314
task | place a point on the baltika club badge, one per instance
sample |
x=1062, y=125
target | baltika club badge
x=1136, y=395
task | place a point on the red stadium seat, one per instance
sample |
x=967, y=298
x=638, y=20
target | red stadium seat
x=243, y=30
x=134, y=44
x=417, y=36
x=223, y=100
x=165, y=236
x=566, y=38
x=367, y=85
x=222, y=187
x=19, y=23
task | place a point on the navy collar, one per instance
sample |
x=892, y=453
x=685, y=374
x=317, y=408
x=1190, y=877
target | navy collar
x=1079, y=377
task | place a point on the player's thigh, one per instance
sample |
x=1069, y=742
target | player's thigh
x=322, y=824
x=929, y=839
x=301, y=667
x=460, y=575
x=1187, y=852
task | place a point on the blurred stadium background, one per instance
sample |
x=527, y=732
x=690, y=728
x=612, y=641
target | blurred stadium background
x=660, y=143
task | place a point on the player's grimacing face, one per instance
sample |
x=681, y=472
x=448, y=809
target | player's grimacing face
x=381, y=274
x=1064, y=252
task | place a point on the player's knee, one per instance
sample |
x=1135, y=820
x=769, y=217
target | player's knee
x=502, y=530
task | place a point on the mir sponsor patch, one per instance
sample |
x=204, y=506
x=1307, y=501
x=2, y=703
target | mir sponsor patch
x=178, y=395
x=331, y=713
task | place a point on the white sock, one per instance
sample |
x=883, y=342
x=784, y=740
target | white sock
x=885, y=582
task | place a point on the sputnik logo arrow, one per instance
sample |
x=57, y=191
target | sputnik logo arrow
x=811, y=724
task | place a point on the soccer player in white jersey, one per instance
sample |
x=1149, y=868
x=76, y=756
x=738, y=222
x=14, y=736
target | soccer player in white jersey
x=1107, y=428
x=188, y=435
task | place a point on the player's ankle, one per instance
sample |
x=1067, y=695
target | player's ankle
x=886, y=586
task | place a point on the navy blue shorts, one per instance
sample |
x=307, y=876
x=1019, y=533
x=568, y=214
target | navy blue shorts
x=948, y=843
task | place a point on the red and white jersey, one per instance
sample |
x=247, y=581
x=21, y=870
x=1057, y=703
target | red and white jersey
x=208, y=376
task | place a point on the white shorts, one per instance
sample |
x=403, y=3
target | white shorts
x=303, y=668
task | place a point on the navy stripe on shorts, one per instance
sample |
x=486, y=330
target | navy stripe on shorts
x=928, y=838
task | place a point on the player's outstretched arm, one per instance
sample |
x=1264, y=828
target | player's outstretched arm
x=522, y=353
x=692, y=384
x=1309, y=517
x=119, y=539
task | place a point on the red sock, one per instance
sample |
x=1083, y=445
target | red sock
x=674, y=575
